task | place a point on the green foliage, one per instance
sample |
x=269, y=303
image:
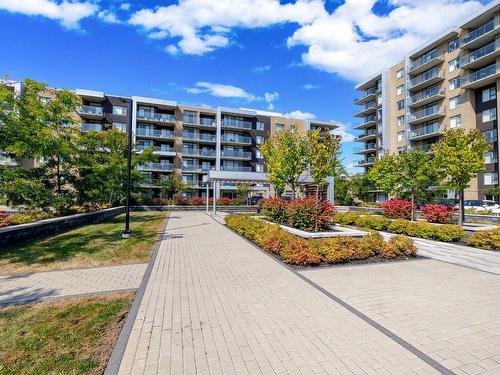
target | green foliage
x=321, y=155
x=243, y=190
x=486, y=239
x=173, y=185
x=450, y=233
x=422, y=229
x=399, y=226
x=373, y=222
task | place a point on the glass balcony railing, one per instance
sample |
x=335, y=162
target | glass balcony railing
x=196, y=168
x=199, y=137
x=234, y=123
x=480, y=74
x=426, y=94
x=148, y=115
x=236, y=154
x=156, y=166
x=480, y=31
x=367, y=134
x=207, y=121
x=369, y=160
x=480, y=53
x=426, y=76
x=197, y=152
x=162, y=148
x=90, y=110
x=426, y=112
x=236, y=168
x=368, y=147
x=95, y=127
x=236, y=139
x=157, y=133
x=426, y=130
x=422, y=60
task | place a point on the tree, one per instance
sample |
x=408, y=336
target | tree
x=243, y=190
x=407, y=175
x=173, y=185
x=494, y=191
x=322, y=160
x=458, y=158
x=286, y=159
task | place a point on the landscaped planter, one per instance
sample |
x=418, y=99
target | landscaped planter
x=335, y=231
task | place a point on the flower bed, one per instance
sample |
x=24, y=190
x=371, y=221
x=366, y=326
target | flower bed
x=197, y=201
x=302, y=252
x=486, y=239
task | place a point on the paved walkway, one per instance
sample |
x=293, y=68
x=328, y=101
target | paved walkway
x=27, y=287
x=215, y=304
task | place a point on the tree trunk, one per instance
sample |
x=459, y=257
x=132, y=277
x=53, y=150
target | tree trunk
x=316, y=209
x=412, y=207
x=293, y=190
x=461, y=213
x=58, y=171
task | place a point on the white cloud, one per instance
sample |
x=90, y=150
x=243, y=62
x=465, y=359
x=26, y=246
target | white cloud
x=125, y=6
x=299, y=115
x=343, y=130
x=271, y=96
x=219, y=90
x=108, y=16
x=68, y=13
x=261, y=69
x=310, y=86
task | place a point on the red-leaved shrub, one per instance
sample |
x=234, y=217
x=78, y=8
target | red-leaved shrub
x=197, y=201
x=397, y=209
x=4, y=219
x=307, y=214
x=275, y=209
x=437, y=213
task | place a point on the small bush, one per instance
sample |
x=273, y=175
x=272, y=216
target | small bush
x=373, y=222
x=346, y=218
x=307, y=214
x=275, y=210
x=486, y=239
x=397, y=209
x=373, y=244
x=437, y=213
x=5, y=219
x=403, y=245
x=197, y=201
x=422, y=229
x=299, y=252
x=449, y=233
x=399, y=226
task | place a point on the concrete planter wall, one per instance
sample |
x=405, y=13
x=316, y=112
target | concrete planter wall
x=23, y=232
x=196, y=208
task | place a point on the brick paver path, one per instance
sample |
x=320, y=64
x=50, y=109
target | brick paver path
x=29, y=287
x=449, y=312
x=214, y=304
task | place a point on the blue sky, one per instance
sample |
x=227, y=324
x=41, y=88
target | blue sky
x=302, y=57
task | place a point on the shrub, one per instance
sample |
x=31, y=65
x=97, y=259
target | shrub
x=307, y=214
x=373, y=222
x=373, y=244
x=399, y=226
x=450, y=233
x=486, y=239
x=299, y=252
x=404, y=246
x=5, y=219
x=346, y=218
x=437, y=213
x=397, y=209
x=197, y=201
x=275, y=210
x=422, y=229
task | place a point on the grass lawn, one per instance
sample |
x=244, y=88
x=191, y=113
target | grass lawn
x=90, y=245
x=72, y=336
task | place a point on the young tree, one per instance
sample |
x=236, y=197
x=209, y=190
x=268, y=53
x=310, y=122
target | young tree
x=243, y=190
x=173, y=185
x=408, y=174
x=458, y=158
x=286, y=159
x=321, y=156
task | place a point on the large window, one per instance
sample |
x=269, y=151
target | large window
x=189, y=117
x=453, y=65
x=259, y=167
x=401, y=105
x=454, y=102
x=400, y=73
x=400, y=89
x=454, y=83
x=490, y=135
x=258, y=154
x=401, y=120
x=279, y=127
x=490, y=157
x=455, y=121
x=401, y=136
x=489, y=114
x=259, y=125
x=119, y=110
x=488, y=94
x=121, y=126
x=491, y=178
x=453, y=45
x=259, y=139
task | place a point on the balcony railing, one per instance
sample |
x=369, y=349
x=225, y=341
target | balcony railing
x=367, y=133
x=199, y=137
x=195, y=152
x=90, y=110
x=426, y=130
x=422, y=60
x=195, y=168
x=163, y=117
x=426, y=76
x=200, y=122
x=156, y=166
x=426, y=94
x=426, y=112
x=369, y=160
x=480, y=31
x=236, y=139
x=368, y=147
x=88, y=127
x=233, y=123
x=157, y=133
x=234, y=168
x=156, y=149
x=425, y=148
x=480, y=53
x=480, y=74
x=236, y=154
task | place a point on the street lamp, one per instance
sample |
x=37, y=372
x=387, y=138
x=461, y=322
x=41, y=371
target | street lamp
x=127, y=232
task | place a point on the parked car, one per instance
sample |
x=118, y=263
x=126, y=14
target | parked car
x=484, y=205
x=254, y=200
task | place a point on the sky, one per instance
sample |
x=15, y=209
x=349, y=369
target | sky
x=301, y=58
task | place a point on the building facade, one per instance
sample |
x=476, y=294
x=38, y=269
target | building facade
x=449, y=82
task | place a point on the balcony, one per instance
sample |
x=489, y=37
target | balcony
x=237, y=139
x=481, y=77
x=161, y=150
x=197, y=152
x=202, y=122
x=235, y=168
x=92, y=127
x=368, y=95
x=152, y=183
x=426, y=79
x=482, y=56
x=92, y=110
x=196, y=168
x=427, y=96
x=426, y=114
x=426, y=62
x=159, y=167
x=481, y=35
x=367, y=109
x=368, y=134
x=237, y=124
x=155, y=133
x=151, y=116
x=367, y=122
x=369, y=147
x=235, y=154
x=428, y=131
x=200, y=137
x=366, y=162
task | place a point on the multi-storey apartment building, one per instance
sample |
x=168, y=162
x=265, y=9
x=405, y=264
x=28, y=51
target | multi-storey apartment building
x=451, y=81
x=190, y=141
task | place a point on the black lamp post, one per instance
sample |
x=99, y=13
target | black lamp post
x=127, y=232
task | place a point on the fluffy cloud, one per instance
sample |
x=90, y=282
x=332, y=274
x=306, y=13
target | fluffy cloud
x=68, y=13
x=343, y=130
x=261, y=69
x=300, y=115
x=219, y=90
x=310, y=86
x=125, y=6
x=108, y=16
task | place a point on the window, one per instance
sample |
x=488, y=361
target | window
x=490, y=157
x=489, y=94
x=453, y=65
x=455, y=121
x=258, y=154
x=489, y=114
x=454, y=102
x=454, y=83
x=189, y=117
x=400, y=73
x=453, y=45
x=279, y=127
x=401, y=120
x=119, y=110
x=401, y=105
x=292, y=128
x=401, y=136
x=259, y=139
x=259, y=125
x=490, y=135
x=121, y=126
x=259, y=167
x=491, y=178
x=400, y=89
x=44, y=99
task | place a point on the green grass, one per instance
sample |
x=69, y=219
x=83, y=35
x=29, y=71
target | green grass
x=74, y=336
x=90, y=245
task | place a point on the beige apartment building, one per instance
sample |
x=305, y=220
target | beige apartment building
x=449, y=82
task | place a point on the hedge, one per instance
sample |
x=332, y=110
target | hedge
x=486, y=239
x=299, y=251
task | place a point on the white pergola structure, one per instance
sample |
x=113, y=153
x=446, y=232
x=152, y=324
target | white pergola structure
x=217, y=177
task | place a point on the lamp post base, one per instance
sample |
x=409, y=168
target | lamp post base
x=126, y=234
